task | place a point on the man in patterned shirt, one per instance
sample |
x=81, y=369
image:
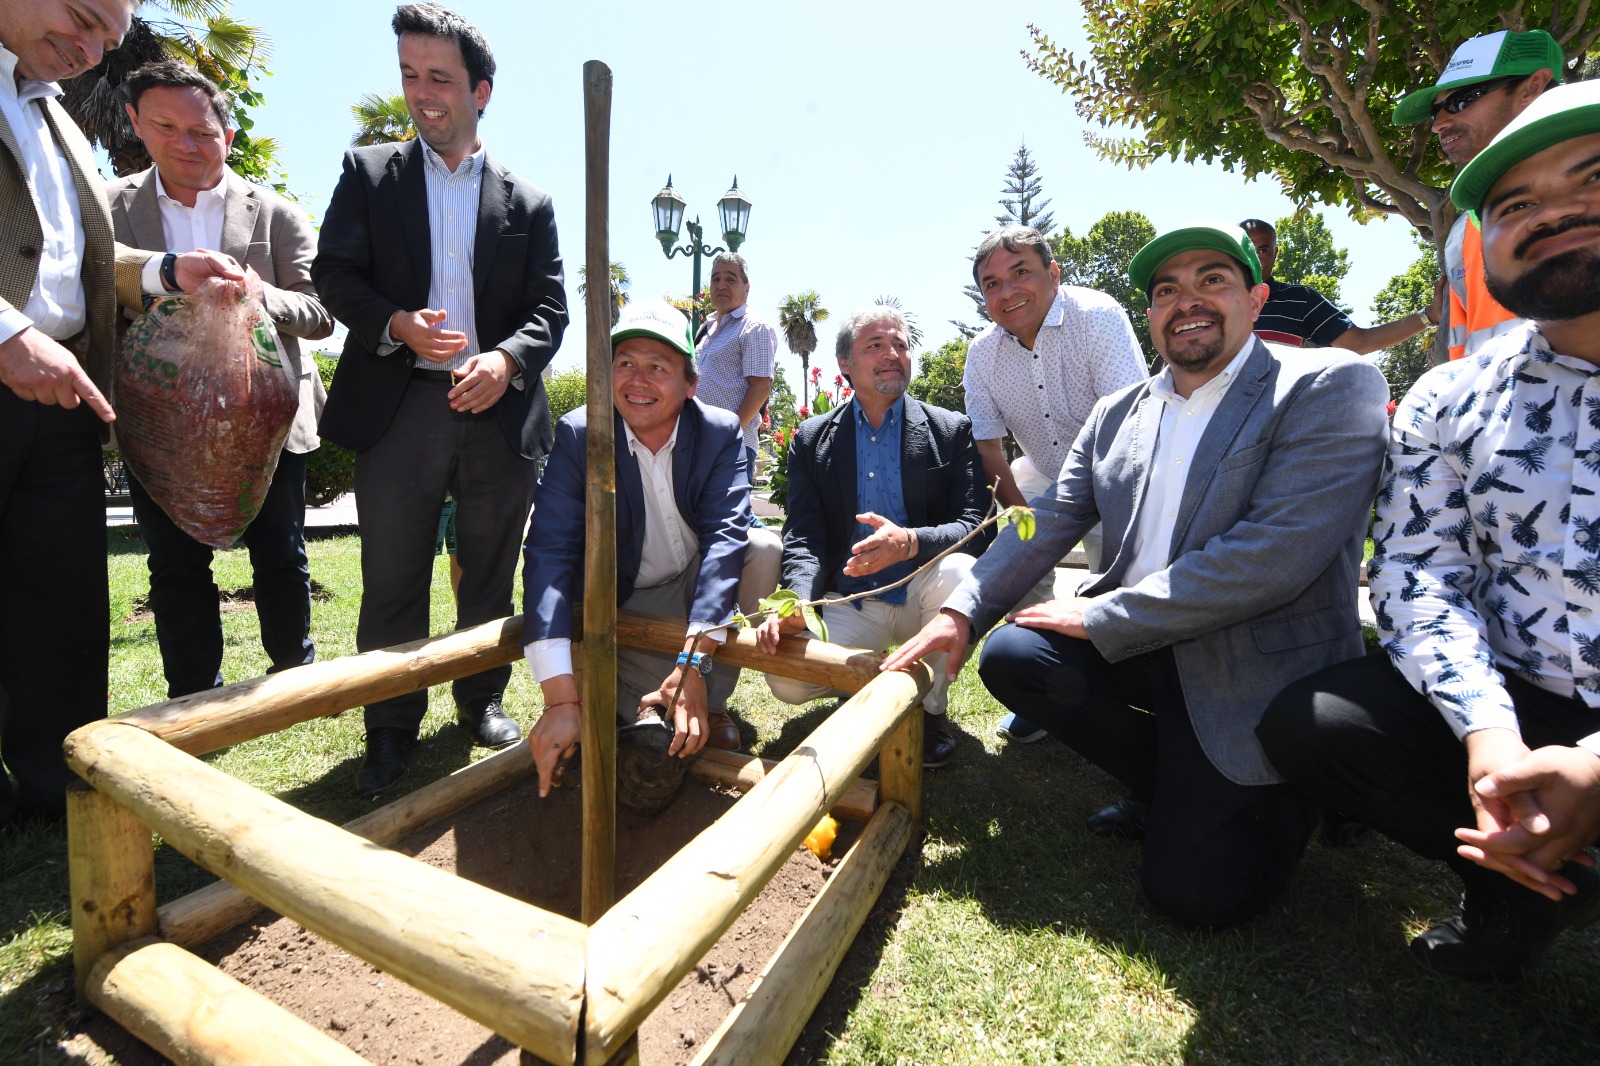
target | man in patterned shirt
x=1486, y=582
x=1036, y=372
x=736, y=351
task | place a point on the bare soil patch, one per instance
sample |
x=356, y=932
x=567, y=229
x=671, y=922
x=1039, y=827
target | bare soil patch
x=529, y=849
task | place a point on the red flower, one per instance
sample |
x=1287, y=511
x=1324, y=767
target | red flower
x=765, y=421
x=845, y=394
x=777, y=438
x=816, y=374
x=805, y=412
x=1391, y=406
x=838, y=379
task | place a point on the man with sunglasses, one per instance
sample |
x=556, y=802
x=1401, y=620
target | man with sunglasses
x=1488, y=82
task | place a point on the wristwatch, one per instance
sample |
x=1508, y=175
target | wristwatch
x=699, y=662
x=169, y=273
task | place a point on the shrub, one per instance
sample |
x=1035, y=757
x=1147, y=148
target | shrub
x=566, y=391
x=330, y=470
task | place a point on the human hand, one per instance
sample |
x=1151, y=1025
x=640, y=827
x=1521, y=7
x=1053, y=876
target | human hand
x=768, y=632
x=686, y=702
x=422, y=332
x=37, y=368
x=1559, y=787
x=1435, y=311
x=484, y=378
x=194, y=269
x=949, y=632
x=552, y=740
x=1062, y=616
x=886, y=545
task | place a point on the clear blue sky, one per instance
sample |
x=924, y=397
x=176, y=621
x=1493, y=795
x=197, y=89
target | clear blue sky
x=872, y=137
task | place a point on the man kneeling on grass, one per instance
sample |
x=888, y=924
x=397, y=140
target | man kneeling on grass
x=877, y=487
x=687, y=543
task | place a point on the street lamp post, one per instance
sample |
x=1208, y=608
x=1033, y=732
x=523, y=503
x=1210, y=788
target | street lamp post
x=733, y=211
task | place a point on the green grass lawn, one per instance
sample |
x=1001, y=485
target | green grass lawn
x=1012, y=936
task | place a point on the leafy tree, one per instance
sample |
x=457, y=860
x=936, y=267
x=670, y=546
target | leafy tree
x=566, y=392
x=1297, y=89
x=1020, y=205
x=1403, y=363
x=202, y=34
x=1099, y=260
x=1307, y=255
x=781, y=408
x=939, y=373
x=381, y=119
x=619, y=288
x=330, y=469
x=798, y=317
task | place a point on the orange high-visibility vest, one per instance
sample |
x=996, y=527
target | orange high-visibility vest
x=1475, y=316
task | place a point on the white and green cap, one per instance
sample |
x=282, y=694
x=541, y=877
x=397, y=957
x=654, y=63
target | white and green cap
x=1560, y=114
x=1503, y=54
x=1221, y=237
x=657, y=319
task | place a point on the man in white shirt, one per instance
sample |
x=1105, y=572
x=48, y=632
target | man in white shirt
x=1036, y=372
x=190, y=199
x=688, y=544
x=736, y=350
x=1234, y=488
x=1486, y=581
x=61, y=276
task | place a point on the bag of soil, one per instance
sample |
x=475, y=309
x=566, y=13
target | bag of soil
x=203, y=406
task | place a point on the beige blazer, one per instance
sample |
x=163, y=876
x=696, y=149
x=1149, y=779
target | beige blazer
x=264, y=231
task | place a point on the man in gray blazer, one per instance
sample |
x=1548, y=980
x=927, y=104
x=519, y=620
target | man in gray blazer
x=1234, y=489
x=190, y=199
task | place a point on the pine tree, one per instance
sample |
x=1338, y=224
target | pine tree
x=1021, y=205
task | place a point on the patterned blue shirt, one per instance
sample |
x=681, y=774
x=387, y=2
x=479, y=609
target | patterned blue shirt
x=879, y=490
x=1488, y=533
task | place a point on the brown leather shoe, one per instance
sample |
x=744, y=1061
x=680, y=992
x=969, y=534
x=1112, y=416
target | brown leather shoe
x=724, y=733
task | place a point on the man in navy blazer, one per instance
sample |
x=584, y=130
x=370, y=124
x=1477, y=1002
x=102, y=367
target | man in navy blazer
x=1234, y=489
x=687, y=543
x=444, y=266
x=878, y=487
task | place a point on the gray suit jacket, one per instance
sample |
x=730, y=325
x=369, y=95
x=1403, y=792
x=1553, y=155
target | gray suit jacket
x=264, y=231
x=1262, y=586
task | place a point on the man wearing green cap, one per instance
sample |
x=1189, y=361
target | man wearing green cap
x=687, y=544
x=1486, y=582
x=1234, y=489
x=1488, y=82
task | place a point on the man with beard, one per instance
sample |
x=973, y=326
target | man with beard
x=1486, y=582
x=1234, y=489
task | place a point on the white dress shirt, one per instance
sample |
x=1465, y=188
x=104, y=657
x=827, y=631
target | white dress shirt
x=189, y=228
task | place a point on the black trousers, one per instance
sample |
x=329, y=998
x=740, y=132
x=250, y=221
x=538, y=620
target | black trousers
x=401, y=482
x=54, y=607
x=1215, y=852
x=1358, y=737
x=183, y=595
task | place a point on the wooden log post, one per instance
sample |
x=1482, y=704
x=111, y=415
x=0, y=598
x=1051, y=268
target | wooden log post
x=600, y=555
x=507, y=965
x=644, y=945
x=764, y=1025
x=193, y=1013
x=111, y=876
x=730, y=769
x=216, y=908
x=804, y=659
x=900, y=766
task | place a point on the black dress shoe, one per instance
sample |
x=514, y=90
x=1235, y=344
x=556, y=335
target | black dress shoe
x=1340, y=831
x=1500, y=936
x=385, y=764
x=490, y=727
x=1123, y=820
x=937, y=743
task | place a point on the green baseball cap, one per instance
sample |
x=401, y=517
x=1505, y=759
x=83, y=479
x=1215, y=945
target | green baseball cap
x=1494, y=55
x=1221, y=237
x=1560, y=114
x=656, y=319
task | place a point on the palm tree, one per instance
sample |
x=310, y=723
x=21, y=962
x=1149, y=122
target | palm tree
x=913, y=331
x=798, y=318
x=381, y=119
x=619, y=289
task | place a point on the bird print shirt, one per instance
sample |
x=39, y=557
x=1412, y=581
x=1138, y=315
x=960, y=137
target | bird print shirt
x=1487, y=540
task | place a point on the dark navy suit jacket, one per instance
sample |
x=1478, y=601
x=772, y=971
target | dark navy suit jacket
x=709, y=484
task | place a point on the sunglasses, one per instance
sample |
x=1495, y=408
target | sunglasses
x=1464, y=99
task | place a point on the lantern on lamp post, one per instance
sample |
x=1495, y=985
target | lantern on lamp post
x=733, y=210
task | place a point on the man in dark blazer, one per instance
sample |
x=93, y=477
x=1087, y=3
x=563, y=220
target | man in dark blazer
x=879, y=486
x=1234, y=490
x=444, y=267
x=687, y=543
x=61, y=276
x=189, y=199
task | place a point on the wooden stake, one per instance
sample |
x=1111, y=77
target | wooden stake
x=203, y=914
x=641, y=947
x=900, y=766
x=764, y=1025
x=730, y=769
x=191, y=1012
x=510, y=966
x=111, y=876
x=600, y=557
